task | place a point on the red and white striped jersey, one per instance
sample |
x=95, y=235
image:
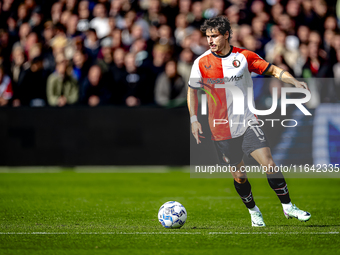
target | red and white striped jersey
x=235, y=69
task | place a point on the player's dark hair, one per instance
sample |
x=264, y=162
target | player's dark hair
x=220, y=23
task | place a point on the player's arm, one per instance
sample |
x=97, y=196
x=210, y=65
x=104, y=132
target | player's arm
x=196, y=127
x=285, y=76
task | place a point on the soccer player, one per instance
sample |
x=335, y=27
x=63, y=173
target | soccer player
x=225, y=64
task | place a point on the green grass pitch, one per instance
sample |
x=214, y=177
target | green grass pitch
x=68, y=212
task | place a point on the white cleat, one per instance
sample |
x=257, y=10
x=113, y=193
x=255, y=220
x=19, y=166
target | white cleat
x=257, y=219
x=294, y=212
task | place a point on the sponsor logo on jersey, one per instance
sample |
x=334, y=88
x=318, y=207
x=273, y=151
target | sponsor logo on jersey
x=207, y=67
x=236, y=63
x=217, y=81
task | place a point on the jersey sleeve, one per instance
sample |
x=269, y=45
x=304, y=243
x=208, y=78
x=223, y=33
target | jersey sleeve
x=257, y=64
x=195, y=76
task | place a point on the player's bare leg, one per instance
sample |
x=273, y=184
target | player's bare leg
x=277, y=182
x=243, y=188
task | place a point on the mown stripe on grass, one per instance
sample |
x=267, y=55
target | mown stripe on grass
x=169, y=233
x=95, y=169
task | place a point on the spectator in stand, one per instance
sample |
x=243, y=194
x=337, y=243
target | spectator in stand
x=336, y=42
x=95, y=89
x=32, y=38
x=6, y=49
x=105, y=61
x=217, y=8
x=316, y=65
x=58, y=45
x=36, y=21
x=160, y=55
x=118, y=66
x=300, y=62
x=30, y=4
x=260, y=34
x=56, y=11
x=84, y=16
x=249, y=43
x=276, y=12
x=320, y=9
x=34, y=51
x=65, y=17
x=116, y=36
x=184, y=7
x=17, y=68
x=153, y=15
x=198, y=43
x=7, y=9
x=197, y=12
x=118, y=71
x=244, y=31
x=117, y=12
x=165, y=35
x=276, y=46
x=137, y=85
x=24, y=30
x=170, y=88
x=132, y=31
x=12, y=29
x=308, y=14
x=184, y=65
x=182, y=28
x=71, y=27
x=30, y=93
x=61, y=89
x=327, y=42
x=92, y=45
x=6, y=91
x=294, y=11
x=139, y=49
x=331, y=23
x=22, y=14
x=233, y=14
x=71, y=5
x=100, y=22
x=303, y=34
x=256, y=8
x=47, y=52
x=81, y=66
x=286, y=24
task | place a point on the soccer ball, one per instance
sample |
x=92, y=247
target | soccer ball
x=172, y=215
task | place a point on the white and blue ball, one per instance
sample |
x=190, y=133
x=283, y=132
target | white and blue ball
x=172, y=215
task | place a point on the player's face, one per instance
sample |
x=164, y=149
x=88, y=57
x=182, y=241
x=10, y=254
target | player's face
x=216, y=41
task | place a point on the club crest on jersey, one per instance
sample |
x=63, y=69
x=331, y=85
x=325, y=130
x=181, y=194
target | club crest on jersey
x=207, y=67
x=236, y=63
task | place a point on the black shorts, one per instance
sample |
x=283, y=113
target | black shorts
x=230, y=152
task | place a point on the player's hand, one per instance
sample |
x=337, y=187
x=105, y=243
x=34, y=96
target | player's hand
x=301, y=84
x=196, y=130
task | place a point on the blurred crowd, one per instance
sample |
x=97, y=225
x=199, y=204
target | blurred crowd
x=132, y=53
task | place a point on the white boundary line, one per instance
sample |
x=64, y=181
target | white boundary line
x=169, y=233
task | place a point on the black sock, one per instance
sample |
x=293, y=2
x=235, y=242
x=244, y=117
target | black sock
x=244, y=190
x=278, y=184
